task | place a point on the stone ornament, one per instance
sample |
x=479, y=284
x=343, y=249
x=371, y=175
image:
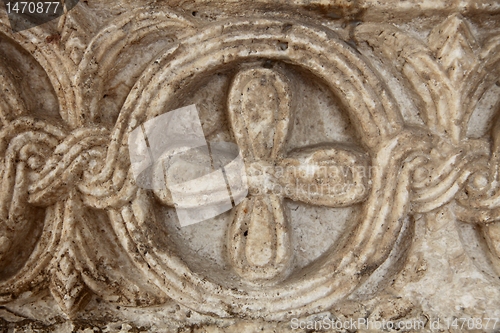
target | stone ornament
x=75, y=222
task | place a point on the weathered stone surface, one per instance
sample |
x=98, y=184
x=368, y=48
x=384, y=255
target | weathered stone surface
x=369, y=131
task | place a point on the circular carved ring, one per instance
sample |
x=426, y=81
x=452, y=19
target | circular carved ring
x=375, y=117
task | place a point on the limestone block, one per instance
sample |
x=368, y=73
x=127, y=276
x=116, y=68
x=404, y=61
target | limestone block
x=259, y=166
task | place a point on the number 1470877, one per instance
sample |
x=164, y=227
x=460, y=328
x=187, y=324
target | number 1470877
x=23, y=7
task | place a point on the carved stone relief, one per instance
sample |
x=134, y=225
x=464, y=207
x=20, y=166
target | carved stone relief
x=369, y=135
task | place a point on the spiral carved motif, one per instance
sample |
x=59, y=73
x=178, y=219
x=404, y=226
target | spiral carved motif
x=74, y=221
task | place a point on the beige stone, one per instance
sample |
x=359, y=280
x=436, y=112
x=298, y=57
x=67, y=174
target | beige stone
x=369, y=132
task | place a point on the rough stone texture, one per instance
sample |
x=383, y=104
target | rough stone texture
x=397, y=100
